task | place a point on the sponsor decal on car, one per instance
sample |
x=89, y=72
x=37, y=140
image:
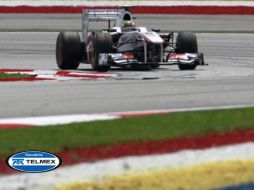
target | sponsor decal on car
x=33, y=161
x=128, y=56
x=183, y=56
x=103, y=59
x=116, y=56
x=152, y=37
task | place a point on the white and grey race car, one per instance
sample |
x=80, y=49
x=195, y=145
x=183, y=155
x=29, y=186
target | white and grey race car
x=125, y=45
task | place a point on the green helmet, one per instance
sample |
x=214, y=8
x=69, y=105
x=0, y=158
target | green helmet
x=128, y=23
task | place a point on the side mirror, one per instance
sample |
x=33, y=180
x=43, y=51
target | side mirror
x=156, y=30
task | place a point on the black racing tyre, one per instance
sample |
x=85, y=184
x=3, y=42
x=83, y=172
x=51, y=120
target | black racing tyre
x=186, y=42
x=68, y=50
x=102, y=43
x=155, y=66
x=84, y=53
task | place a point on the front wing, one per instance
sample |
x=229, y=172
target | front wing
x=123, y=59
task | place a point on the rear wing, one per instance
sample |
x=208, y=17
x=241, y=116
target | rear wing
x=116, y=15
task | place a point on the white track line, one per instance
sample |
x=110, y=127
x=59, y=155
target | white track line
x=54, y=120
x=207, y=108
x=100, y=169
x=66, y=119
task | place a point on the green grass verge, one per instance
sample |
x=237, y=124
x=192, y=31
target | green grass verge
x=7, y=75
x=90, y=134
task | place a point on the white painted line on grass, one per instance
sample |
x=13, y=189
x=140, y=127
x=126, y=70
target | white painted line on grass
x=55, y=120
x=67, y=119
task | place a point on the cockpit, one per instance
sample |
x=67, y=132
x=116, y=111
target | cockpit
x=132, y=29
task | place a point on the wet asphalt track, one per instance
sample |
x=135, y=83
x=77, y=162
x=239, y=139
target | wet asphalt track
x=228, y=80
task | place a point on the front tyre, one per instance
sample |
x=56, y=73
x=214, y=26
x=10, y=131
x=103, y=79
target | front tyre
x=102, y=43
x=68, y=50
x=186, y=42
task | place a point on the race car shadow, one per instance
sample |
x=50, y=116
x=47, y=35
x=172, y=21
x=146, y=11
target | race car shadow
x=121, y=69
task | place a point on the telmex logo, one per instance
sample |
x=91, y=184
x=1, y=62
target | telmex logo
x=34, y=161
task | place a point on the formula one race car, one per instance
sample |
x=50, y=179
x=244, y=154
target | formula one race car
x=125, y=45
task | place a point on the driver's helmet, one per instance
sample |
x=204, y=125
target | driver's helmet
x=128, y=23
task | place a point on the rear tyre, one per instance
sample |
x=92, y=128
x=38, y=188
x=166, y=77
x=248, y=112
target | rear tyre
x=186, y=42
x=68, y=50
x=103, y=43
